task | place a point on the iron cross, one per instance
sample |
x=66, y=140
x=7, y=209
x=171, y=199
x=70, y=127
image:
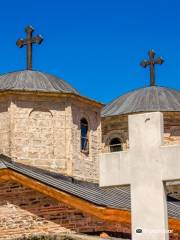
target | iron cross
x=151, y=62
x=29, y=42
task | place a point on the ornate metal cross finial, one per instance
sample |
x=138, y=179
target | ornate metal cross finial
x=29, y=42
x=151, y=62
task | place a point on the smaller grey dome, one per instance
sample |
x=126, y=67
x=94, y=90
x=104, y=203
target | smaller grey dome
x=28, y=80
x=149, y=99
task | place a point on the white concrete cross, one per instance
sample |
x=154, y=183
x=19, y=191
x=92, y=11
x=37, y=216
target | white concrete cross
x=146, y=166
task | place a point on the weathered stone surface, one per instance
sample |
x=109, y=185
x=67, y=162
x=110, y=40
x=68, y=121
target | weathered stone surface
x=117, y=126
x=44, y=131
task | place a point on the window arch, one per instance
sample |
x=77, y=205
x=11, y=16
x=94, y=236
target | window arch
x=115, y=145
x=84, y=135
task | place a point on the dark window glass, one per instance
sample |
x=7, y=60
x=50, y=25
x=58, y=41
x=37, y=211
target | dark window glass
x=84, y=135
x=115, y=145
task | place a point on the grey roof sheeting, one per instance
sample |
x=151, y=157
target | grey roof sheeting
x=2, y=165
x=28, y=80
x=149, y=99
x=116, y=197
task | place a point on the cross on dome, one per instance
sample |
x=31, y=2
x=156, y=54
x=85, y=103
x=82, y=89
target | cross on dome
x=29, y=42
x=151, y=62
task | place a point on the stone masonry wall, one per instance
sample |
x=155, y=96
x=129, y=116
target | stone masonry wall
x=4, y=125
x=24, y=211
x=113, y=127
x=85, y=165
x=38, y=135
x=44, y=131
x=117, y=126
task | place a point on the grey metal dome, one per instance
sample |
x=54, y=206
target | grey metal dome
x=149, y=99
x=28, y=80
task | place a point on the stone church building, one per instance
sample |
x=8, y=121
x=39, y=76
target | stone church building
x=42, y=117
x=51, y=141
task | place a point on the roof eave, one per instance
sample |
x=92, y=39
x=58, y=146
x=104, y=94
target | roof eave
x=138, y=112
x=103, y=213
x=57, y=94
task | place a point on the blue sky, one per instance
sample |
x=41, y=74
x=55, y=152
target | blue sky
x=96, y=45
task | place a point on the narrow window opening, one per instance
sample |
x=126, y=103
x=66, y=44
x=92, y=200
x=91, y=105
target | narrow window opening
x=115, y=145
x=84, y=135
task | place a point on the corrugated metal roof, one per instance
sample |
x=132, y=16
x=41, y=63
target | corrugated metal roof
x=2, y=165
x=147, y=99
x=28, y=80
x=116, y=197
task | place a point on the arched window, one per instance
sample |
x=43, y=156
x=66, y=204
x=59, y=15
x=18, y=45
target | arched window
x=115, y=145
x=84, y=135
